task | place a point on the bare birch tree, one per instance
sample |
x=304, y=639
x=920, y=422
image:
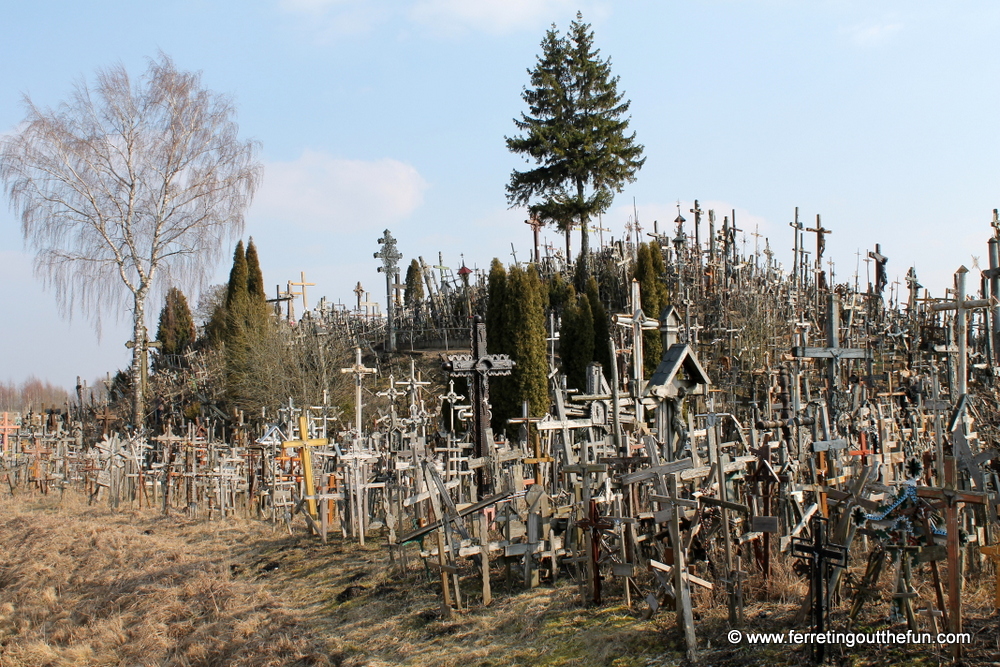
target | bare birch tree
x=129, y=187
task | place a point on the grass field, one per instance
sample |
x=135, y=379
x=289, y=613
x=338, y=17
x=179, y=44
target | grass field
x=81, y=585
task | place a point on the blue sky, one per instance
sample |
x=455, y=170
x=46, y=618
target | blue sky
x=372, y=114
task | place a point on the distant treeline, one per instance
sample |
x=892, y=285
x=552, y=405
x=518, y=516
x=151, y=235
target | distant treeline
x=31, y=394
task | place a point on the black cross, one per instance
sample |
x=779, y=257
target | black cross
x=821, y=555
x=480, y=366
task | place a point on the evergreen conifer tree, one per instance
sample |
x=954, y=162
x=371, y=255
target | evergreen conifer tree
x=500, y=311
x=526, y=335
x=576, y=342
x=175, y=331
x=602, y=324
x=413, y=295
x=649, y=272
x=257, y=310
x=575, y=131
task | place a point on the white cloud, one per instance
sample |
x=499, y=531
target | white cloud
x=321, y=192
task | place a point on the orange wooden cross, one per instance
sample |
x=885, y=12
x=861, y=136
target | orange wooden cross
x=6, y=426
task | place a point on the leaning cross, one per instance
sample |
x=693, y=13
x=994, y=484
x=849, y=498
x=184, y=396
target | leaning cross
x=359, y=370
x=305, y=458
x=479, y=366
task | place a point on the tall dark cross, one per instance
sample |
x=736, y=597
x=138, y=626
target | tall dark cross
x=697, y=227
x=881, y=279
x=821, y=233
x=536, y=224
x=797, y=227
x=821, y=555
x=479, y=367
x=390, y=257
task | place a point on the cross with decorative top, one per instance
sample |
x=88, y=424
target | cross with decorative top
x=479, y=367
x=390, y=257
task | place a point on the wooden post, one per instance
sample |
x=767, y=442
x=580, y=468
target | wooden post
x=952, y=497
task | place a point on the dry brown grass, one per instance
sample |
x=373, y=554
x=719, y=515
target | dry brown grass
x=83, y=586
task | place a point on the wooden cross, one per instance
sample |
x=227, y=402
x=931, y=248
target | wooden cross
x=961, y=305
x=797, y=227
x=821, y=555
x=951, y=497
x=303, y=284
x=480, y=366
x=914, y=286
x=697, y=226
x=305, y=458
x=6, y=426
x=359, y=292
x=820, y=239
x=106, y=418
x=881, y=279
x=359, y=370
x=536, y=225
x=638, y=322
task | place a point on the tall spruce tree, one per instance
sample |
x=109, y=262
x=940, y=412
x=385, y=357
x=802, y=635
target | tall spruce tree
x=575, y=131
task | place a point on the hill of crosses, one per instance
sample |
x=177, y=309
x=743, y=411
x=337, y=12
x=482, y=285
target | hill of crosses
x=677, y=452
